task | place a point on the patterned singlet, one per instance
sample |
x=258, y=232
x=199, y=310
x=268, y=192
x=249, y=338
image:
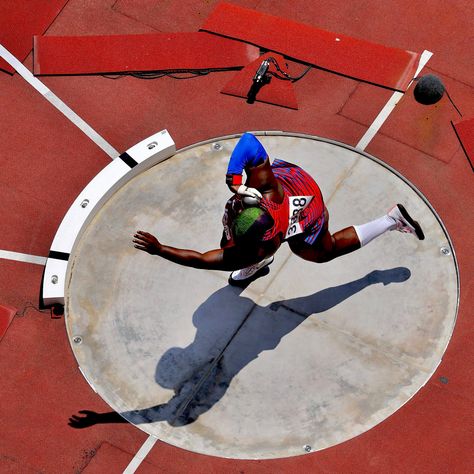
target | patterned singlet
x=301, y=211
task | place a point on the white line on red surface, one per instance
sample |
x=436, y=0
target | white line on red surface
x=389, y=106
x=141, y=455
x=22, y=257
x=58, y=103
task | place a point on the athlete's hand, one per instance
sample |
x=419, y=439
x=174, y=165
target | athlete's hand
x=146, y=242
x=249, y=192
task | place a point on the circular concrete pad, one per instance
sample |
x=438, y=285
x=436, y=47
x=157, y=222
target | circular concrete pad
x=305, y=357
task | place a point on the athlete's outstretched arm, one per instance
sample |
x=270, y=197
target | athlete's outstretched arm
x=228, y=259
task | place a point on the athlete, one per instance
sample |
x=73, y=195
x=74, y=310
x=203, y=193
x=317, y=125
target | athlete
x=279, y=202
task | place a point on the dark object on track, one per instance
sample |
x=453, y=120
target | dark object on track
x=428, y=90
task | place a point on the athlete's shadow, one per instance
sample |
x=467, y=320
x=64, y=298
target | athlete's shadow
x=226, y=341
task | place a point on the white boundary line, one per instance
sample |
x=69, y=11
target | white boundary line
x=58, y=103
x=141, y=455
x=389, y=106
x=22, y=257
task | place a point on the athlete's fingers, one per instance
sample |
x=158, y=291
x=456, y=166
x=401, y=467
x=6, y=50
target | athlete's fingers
x=144, y=238
x=250, y=192
x=146, y=246
x=146, y=242
x=144, y=234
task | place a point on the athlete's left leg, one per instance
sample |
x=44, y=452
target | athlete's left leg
x=327, y=246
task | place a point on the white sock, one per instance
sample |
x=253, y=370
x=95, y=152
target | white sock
x=371, y=230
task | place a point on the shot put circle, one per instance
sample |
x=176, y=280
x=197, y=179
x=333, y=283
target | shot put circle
x=306, y=357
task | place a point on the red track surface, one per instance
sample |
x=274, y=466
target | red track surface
x=46, y=161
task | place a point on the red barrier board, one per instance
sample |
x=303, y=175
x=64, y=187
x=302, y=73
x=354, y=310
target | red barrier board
x=7, y=313
x=465, y=132
x=20, y=20
x=143, y=52
x=385, y=66
x=276, y=91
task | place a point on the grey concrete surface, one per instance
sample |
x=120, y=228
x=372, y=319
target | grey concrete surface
x=309, y=355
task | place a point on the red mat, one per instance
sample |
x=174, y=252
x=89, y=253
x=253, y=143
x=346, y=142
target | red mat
x=20, y=20
x=144, y=52
x=465, y=132
x=389, y=67
x=7, y=313
x=276, y=92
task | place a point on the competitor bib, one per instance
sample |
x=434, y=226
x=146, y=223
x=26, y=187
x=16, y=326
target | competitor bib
x=297, y=205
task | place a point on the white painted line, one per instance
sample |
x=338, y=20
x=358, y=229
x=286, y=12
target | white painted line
x=141, y=455
x=22, y=257
x=425, y=57
x=58, y=103
x=379, y=120
x=389, y=106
